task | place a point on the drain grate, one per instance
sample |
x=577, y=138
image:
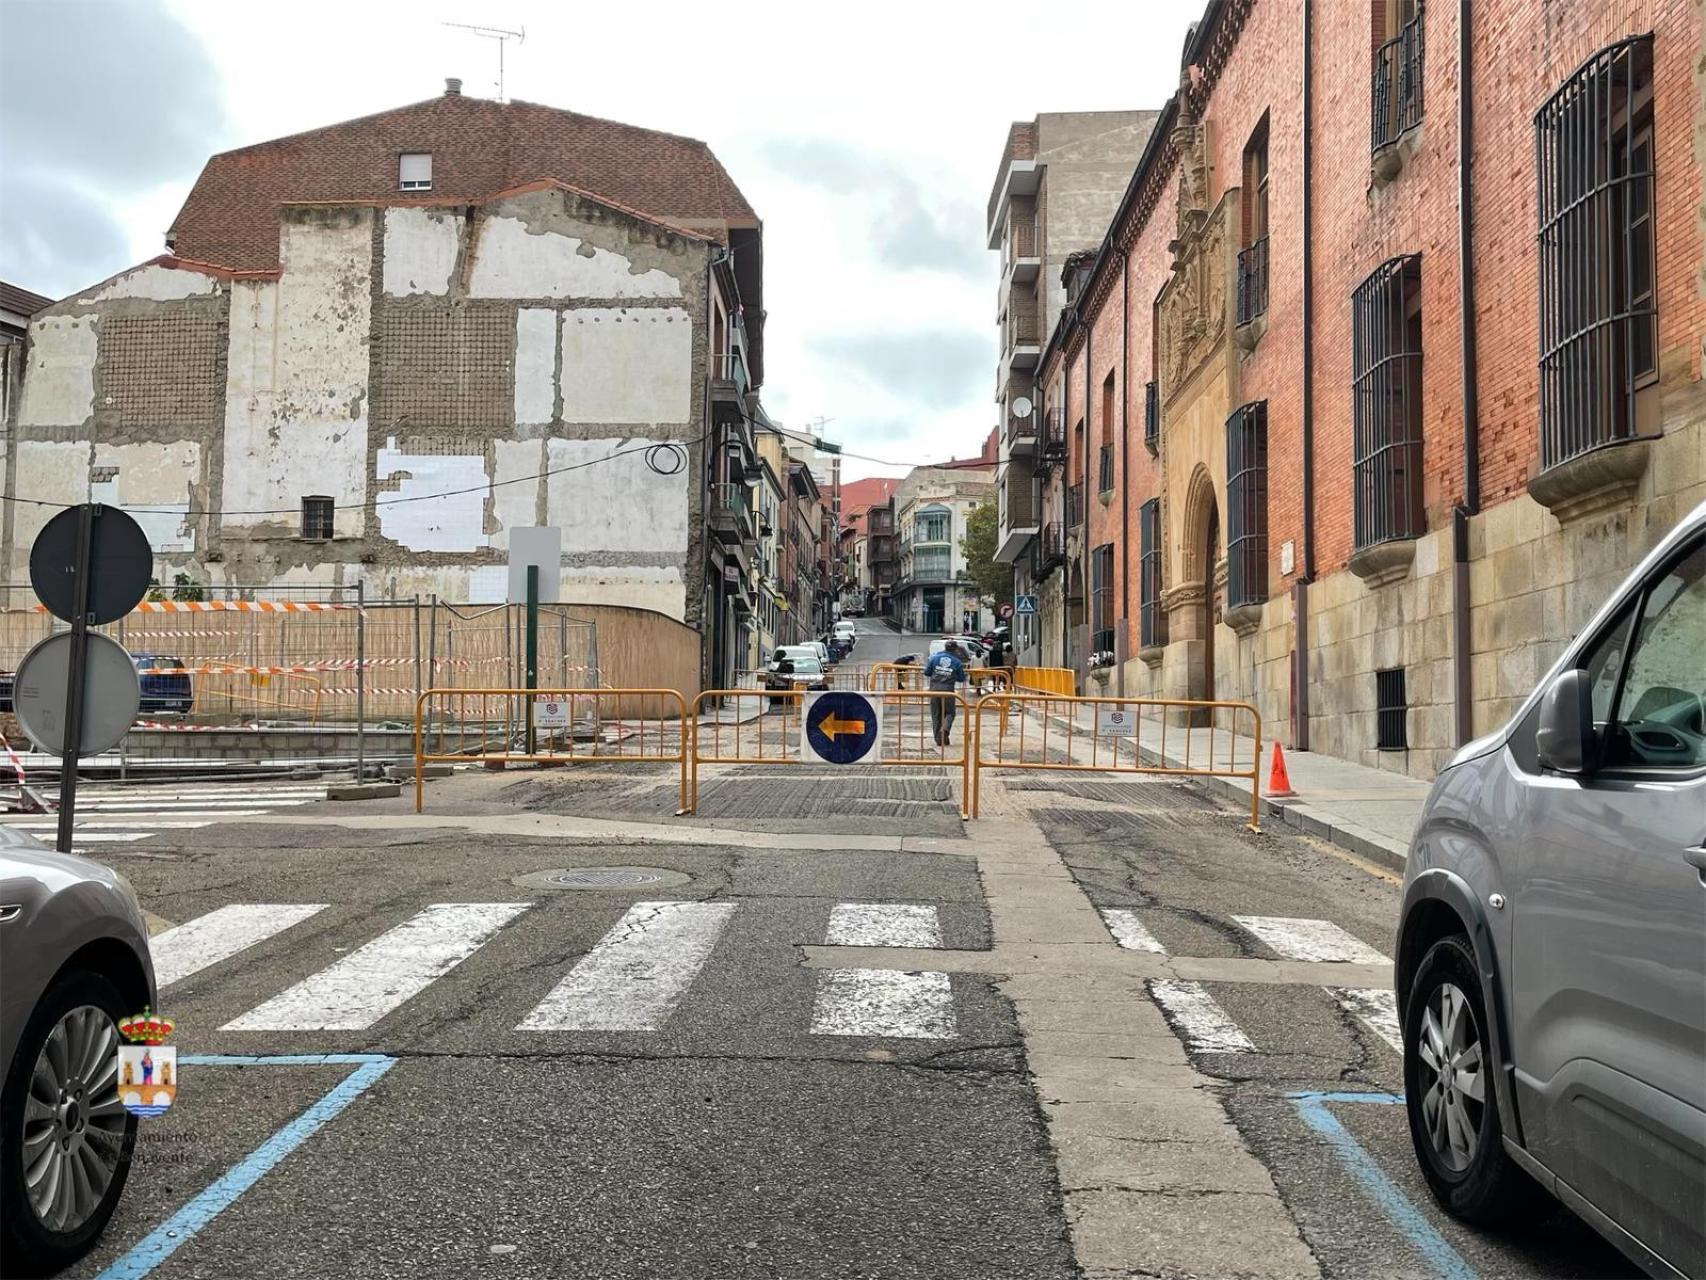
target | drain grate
x=602, y=878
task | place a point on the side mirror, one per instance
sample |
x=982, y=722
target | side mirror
x=1564, y=739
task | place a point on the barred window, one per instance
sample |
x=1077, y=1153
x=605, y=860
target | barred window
x=1252, y=298
x=1102, y=599
x=317, y=517
x=1247, y=504
x=1152, y=621
x=1151, y=417
x=1598, y=321
x=1386, y=361
x=1105, y=470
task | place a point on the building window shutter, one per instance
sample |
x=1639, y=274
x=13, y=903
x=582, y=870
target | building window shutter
x=414, y=171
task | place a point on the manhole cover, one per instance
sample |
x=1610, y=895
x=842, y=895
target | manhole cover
x=603, y=878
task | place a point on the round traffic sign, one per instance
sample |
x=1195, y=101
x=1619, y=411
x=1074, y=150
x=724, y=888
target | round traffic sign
x=841, y=727
x=112, y=694
x=1005, y=612
x=121, y=564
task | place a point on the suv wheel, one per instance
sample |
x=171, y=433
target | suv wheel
x=65, y=1139
x=1449, y=1090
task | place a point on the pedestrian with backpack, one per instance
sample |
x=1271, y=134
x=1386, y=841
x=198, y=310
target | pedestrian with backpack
x=944, y=673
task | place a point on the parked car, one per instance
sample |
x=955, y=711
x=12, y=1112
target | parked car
x=803, y=672
x=1551, y=961
x=74, y=949
x=171, y=693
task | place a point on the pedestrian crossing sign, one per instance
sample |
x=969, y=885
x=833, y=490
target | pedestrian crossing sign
x=1025, y=606
x=840, y=728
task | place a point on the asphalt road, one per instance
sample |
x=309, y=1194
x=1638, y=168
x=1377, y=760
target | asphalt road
x=878, y=642
x=667, y=1080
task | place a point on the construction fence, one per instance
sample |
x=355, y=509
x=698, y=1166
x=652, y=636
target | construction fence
x=308, y=670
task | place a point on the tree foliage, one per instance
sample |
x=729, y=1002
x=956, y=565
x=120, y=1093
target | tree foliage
x=993, y=580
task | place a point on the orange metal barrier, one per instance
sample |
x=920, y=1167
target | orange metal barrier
x=773, y=736
x=1059, y=681
x=1047, y=734
x=602, y=725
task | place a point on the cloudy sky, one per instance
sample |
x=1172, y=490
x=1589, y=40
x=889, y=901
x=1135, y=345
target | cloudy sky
x=866, y=138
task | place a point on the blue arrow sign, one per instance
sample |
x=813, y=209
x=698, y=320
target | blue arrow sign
x=841, y=728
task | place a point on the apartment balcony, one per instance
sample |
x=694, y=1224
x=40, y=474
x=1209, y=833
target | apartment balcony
x=729, y=387
x=1395, y=97
x=1020, y=433
x=1048, y=552
x=1020, y=261
x=1021, y=336
x=1020, y=512
x=730, y=515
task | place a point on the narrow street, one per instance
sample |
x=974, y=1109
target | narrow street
x=1065, y=1040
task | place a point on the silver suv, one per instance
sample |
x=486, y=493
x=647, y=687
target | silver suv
x=1551, y=968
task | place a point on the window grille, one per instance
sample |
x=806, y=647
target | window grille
x=1598, y=321
x=1152, y=621
x=1247, y=504
x=1386, y=361
x=1102, y=599
x=317, y=517
x=1391, y=710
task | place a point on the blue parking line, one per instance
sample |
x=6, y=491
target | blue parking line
x=158, y=1245
x=1446, y=1262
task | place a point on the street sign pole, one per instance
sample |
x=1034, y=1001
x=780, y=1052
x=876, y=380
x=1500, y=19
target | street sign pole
x=360, y=682
x=532, y=679
x=74, y=686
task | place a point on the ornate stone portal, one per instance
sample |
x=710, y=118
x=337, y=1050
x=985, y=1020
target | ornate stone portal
x=1198, y=385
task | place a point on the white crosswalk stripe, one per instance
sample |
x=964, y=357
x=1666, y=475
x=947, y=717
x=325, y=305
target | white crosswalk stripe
x=1376, y=1009
x=194, y=945
x=883, y=924
x=395, y=967
x=131, y=813
x=1200, y=1020
x=884, y=1004
x=637, y=973
x=1129, y=931
x=1318, y=940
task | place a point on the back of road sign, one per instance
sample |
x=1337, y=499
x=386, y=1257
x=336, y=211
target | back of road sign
x=841, y=728
x=112, y=694
x=120, y=559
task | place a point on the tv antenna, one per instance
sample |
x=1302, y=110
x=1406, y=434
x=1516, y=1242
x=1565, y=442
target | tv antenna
x=502, y=37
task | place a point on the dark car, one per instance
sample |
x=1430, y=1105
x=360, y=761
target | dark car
x=162, y=692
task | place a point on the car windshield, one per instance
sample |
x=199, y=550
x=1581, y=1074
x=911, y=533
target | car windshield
x=807, y=667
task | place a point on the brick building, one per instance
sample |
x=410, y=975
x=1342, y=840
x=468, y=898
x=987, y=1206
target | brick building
x=1296, y=451
x=545, y=317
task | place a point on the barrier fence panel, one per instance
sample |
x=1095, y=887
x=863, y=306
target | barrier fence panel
x=1117, y=735
x=773, y=734
x=551, y=726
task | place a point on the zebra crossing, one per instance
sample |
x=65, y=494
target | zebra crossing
x=631, y=980
x=1207, y=1028
x=113, y=815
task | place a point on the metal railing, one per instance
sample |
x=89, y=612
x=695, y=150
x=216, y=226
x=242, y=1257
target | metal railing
x=1253, y=281
x=551, y=726
x=1022, y=239
x=1396, y=99
x=1049, y=732
x=1075, y=505
x=1050, y=549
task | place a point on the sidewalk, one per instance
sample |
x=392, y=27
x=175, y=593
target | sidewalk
x=1371, y=812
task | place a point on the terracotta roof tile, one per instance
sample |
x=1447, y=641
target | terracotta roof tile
x=478, y=147
x=21, y=301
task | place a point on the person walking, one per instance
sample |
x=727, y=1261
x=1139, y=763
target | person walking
x=944, y=672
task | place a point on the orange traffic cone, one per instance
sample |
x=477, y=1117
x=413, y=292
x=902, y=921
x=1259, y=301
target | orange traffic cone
x=1279, y=783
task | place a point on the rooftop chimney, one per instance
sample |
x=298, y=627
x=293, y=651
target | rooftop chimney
x=452, y=87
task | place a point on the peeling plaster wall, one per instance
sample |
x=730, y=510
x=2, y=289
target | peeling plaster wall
x=420, y=251
x=59, y=379
x=157, y=478
x=535, y=366
x=627, y=366
x=516, y=261
x=156, y=284
x=296, y=389
x=617, y=503
x=450, y=523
